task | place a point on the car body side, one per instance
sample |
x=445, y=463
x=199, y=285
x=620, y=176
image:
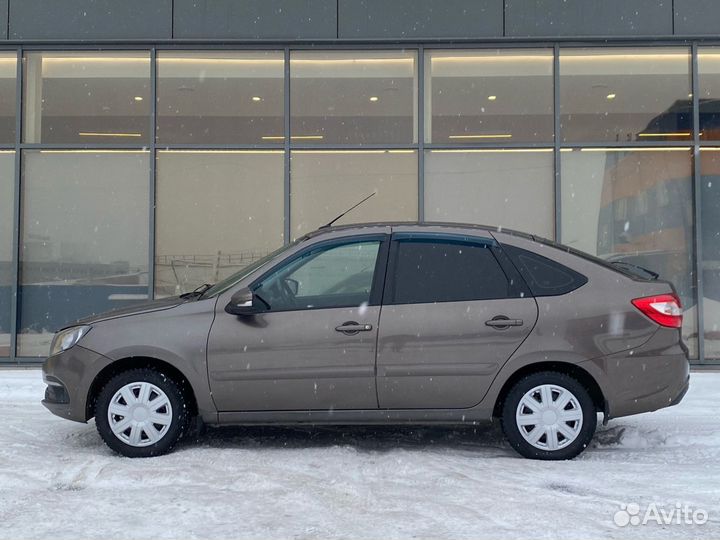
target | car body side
x=631, y=364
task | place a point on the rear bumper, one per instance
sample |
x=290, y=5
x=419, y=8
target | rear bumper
x=655, y=376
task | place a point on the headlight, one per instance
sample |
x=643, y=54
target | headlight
x=67, y=338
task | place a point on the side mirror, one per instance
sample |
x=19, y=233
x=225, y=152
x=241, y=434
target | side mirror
x=241, y=303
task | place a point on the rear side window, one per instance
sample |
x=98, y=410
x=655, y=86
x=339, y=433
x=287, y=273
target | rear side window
x=544, y=276
x=429, y=270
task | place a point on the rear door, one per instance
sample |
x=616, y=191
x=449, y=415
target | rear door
x=454, y=310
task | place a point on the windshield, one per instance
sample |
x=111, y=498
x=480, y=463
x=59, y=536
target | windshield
x=222, y=286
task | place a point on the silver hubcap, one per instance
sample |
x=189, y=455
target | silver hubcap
x=140, y=414
x=549, y=417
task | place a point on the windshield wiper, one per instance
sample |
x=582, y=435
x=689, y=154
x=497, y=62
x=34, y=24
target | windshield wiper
x=197, y=292
x=653, y=275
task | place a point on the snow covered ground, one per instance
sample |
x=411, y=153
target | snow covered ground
x=57, y=479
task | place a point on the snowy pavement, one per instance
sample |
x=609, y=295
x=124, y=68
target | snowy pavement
x=57, y=479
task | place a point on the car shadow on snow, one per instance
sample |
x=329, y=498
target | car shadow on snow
x=484, y=438
x=362, y=438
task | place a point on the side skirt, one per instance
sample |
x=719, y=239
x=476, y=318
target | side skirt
x=359, y=417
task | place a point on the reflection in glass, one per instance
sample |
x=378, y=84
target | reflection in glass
x=634, y=205
x=8, y=75
x=358, y=97
x=508, y=188
x=220, y=97
x=87, y=97
x=325, y=183
x=488, y=96
x=325, y=277
x=7, y=188
x=709, y=98
x=217, y=212
x=622, y=94
x=84, y=238
x=710, y=199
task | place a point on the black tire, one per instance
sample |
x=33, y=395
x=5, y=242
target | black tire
x=179, y=422
x=584, y=401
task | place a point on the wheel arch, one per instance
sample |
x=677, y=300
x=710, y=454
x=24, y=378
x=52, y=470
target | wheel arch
x=135, y=362
x=573, y=370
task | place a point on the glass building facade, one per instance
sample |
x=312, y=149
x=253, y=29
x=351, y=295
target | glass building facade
x=133, y=173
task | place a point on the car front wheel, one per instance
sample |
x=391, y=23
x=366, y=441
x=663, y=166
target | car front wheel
x=141, y=413
x=549, y=415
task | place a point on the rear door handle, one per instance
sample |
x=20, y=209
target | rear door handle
x=351, y=328
x=501, y=321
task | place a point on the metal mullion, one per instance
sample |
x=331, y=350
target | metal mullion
x=557, y=163
x=362, y=43
x=95, y=46
x=17, y=197
x=485, y=45
x=697, y=202
x=287, y=185
x=179, y=45
x=329, y=146
x=152, y=173
x=80, y=146
x=421, y=132
x=628, y=144
x=470, y=146
x=25, y=360
x=193, y=146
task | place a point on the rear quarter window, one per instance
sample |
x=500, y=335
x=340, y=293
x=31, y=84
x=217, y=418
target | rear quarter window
x=544, y=276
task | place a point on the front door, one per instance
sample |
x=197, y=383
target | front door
x=451, y=317
x=313, y=347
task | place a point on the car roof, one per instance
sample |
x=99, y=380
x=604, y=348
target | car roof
x=420, y=226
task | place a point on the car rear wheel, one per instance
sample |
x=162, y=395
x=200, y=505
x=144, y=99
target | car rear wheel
x=549, y=415
x=141, y=413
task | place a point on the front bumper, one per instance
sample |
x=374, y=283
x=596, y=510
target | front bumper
x=69, y=376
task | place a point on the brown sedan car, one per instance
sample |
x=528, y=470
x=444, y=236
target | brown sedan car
x=384, y=324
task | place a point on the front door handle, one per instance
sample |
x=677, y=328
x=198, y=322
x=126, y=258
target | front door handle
x=351, y=328
x=501, y=322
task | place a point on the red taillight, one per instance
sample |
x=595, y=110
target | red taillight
x=664, y=309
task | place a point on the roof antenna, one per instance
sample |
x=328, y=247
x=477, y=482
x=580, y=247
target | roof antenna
x=347, y=211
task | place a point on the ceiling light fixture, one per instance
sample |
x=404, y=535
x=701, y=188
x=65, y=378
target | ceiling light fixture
x=221, y=152
x=611, y=96
x=138, y=98
x=492, y=98
x=630, y=149
x=669, y=134
x=489, y=150
x=96, y=151
x=352, y=152
x=482, y=136
x=294, y=137
x=374, y=98
x=100, y=134
x=256, y=98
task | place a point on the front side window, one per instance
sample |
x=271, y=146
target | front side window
x=323, y=277
x=428, y=270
